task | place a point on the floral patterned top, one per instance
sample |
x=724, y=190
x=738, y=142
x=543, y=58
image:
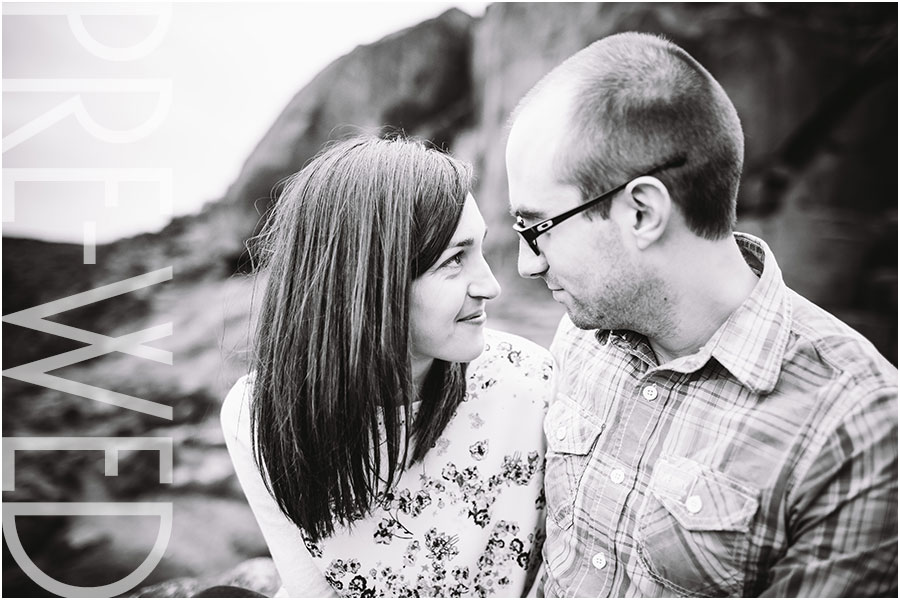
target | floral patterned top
x=466, y=521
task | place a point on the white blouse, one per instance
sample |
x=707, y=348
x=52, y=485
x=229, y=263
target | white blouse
x=466, y=521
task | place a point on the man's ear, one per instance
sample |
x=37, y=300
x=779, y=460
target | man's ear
x=649, y=208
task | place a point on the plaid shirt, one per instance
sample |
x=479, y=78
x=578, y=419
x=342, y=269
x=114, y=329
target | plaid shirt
x=764, y=464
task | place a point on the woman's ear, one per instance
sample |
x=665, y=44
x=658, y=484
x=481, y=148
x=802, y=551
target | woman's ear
x=650, y=208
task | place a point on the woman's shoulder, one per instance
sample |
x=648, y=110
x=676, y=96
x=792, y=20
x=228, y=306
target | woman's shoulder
x=501, y=341
x=509, y=354
x=235, y=413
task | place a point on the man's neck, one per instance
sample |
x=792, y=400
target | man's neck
x=710, y=282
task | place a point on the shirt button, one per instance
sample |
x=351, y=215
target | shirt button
x=561, y=433
x=599, y=560
x=650, y=392
x=693, y=504
x=617, y=476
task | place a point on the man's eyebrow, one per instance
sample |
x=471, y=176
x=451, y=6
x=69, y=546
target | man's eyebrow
x=526, y=213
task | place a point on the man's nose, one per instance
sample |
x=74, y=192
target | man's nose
x=530, y=265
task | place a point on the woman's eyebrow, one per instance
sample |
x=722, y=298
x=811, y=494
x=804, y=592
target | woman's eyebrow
x=469, y=241
x=466, y=242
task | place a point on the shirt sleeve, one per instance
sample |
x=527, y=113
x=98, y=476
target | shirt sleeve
x=299, y=574
x=843, y=521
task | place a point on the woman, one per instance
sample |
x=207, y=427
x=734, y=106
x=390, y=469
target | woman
x=400, y=443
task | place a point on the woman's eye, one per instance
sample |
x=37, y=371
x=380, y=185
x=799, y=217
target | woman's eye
x=453, y=261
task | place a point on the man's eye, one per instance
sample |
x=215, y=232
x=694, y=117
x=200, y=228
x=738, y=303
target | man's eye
x=520, y=222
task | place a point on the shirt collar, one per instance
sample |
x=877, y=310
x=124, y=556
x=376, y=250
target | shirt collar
x=752, y=342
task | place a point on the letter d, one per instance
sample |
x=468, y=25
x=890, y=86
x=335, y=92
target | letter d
x=45, y=509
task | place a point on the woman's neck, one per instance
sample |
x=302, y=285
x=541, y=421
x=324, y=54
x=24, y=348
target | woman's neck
x=420, y=369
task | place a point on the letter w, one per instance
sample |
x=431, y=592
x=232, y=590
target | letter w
x=133, y=343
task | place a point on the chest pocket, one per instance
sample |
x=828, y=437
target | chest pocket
x=694, y=528
x=571, y=437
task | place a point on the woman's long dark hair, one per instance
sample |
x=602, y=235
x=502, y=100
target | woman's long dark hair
x=346, y=239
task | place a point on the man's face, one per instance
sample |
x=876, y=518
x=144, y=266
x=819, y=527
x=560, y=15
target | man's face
x=585, y=262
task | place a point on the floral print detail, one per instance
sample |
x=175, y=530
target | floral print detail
x=450, y=473
x=385, y=532
x=466, y=487
x=358, y=588
x=393, y=583
x=337, y=569
x=390, y=528
x=479, y=450
x=467, y=520
x=385, y=500
x=504, y=554
x=478, y=383
x=546, y=371
x=514, y=470
x=441, y=546
x=413, y=505
x=412, y=553
x=441, y=446
x=314, y=549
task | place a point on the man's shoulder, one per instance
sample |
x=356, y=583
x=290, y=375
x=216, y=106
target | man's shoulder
x=821, y=343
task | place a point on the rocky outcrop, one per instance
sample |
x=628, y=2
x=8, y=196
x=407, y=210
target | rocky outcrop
x=257, y=574
x=417, y=81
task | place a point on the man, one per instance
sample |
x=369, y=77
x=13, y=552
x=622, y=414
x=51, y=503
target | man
x=714, y=433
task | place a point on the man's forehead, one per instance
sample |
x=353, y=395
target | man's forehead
x=546, y=116
x=531, y=150
x=534, y=185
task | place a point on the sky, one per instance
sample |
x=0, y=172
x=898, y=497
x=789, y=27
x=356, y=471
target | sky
x=115, y=123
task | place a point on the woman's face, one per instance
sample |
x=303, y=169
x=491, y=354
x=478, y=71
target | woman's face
x=447, y=311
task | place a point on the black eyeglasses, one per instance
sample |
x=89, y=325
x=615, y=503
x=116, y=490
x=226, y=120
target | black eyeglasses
x=531, y=234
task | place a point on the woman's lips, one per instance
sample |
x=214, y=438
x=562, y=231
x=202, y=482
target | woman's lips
x=474, y=318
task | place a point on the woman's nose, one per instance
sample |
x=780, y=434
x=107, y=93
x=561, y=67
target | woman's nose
x=485, y=284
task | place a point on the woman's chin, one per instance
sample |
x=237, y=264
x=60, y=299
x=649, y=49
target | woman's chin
x=469, y=349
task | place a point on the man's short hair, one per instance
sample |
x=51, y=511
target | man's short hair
x=640, y=101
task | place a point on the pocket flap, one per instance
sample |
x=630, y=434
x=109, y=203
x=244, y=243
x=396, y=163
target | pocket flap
x=703, y=500
x=568, y=429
